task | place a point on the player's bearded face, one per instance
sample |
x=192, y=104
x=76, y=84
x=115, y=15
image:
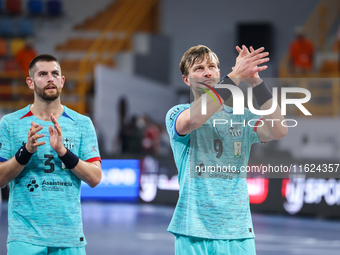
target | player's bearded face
x=47, y=80
x=204, y=73
x=49, y=93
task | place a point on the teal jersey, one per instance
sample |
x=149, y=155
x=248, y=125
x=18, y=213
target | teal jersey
x=213, y=196
x=44, y=202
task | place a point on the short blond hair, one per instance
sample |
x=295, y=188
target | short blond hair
x=196, y=54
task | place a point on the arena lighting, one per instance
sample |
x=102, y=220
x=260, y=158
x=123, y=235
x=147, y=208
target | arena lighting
x=299, y=191
x=120, y=181
x=257, y=190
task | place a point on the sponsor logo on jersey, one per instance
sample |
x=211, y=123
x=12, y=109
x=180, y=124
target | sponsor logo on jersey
x=237, y=149
x=48, y=185
x=55, y=185
x=32, y=185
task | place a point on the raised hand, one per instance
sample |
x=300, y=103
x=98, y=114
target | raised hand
x=32, y=139
x=246, y=65
x=244, y=53
x=56, y=137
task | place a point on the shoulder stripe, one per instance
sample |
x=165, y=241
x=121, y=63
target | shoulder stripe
x=27, y=115
x=256, y=124
x=65, y=115
x=3, y=159
x=94, y=159
x=176, y=121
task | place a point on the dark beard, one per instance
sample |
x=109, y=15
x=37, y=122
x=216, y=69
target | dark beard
x=43, y=95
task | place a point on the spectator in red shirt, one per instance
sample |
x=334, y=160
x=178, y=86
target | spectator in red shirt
x=301, y=53
x=24, y=57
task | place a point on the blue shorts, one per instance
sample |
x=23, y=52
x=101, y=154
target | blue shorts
x=190, y=245
x=22, y=248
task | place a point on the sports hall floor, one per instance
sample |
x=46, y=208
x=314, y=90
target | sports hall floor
x=128, y=229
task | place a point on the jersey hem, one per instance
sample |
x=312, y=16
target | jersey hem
x=47, y=245
x=214, y=238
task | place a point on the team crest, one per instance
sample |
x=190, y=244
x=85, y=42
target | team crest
x=69, y=143
x=235, y=130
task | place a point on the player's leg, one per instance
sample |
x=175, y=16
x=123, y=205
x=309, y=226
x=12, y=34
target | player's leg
x=191, y=245
x=67, y=251
x=199, y=246
x=22, y=248
x=242, y=246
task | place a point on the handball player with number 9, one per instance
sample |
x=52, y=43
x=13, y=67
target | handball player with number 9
x=47, y=150
x=212, y=214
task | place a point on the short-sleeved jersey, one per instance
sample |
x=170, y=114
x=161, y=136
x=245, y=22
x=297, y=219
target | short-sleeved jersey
x=213, y=204
x=44, y=201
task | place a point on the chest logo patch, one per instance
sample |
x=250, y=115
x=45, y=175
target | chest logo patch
x=237, y=149
x=235, y=130
x=69, y=143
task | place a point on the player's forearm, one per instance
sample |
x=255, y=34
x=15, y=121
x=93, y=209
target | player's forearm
x=273, y=122
x=235, y=78
x=197, y=118
x=9, y=170
x=193, y=118
x=88, y=172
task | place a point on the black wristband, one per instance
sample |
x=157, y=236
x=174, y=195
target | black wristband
x=262, y=94
x=70, y=160
x=23, y=156
x=225, y=93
